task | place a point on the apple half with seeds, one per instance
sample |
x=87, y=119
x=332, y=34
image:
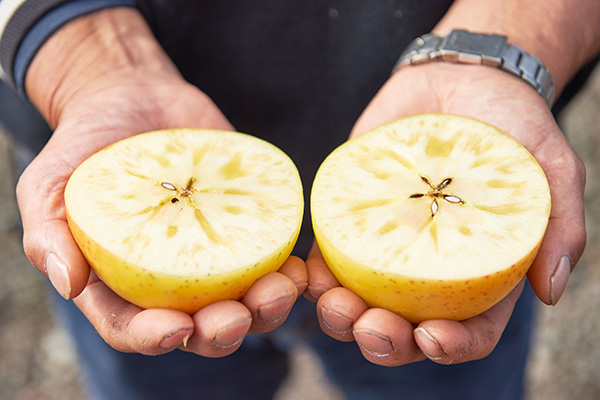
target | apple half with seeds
x=433, y=216
x=183, y=218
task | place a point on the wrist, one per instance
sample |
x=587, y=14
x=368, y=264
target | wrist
x=112, y=41
x=465, y=47
x=562, y=36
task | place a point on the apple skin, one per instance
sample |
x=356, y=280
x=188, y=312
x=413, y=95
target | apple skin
x=189, y=294
x=418, y=299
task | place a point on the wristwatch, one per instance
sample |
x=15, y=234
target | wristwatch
x=461, y=46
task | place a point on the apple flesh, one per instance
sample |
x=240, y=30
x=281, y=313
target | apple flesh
x=184, y=218
x=432, y=216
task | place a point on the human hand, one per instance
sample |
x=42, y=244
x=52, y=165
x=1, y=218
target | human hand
x=511, y=105
x=89, y=115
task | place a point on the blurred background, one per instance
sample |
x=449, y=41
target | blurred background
x=37, y=361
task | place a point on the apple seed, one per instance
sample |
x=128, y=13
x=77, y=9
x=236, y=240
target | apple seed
x=168, y=185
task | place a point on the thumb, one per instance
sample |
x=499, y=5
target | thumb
x=47, y=239
x=51, y=249
x=565, y=237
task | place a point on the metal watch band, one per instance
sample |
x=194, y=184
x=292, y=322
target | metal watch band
x=461, y=46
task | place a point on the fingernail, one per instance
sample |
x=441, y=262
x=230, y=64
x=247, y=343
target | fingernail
x=277, y=310
x=560, y=278
x=373, y=342
x=430, y=346
x=176, y=338
x=233, y=334
x=301, y=287
x=57, y=272
x=336, y=321
x=315, y=292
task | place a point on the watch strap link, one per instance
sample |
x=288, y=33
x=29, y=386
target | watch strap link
x=464, y=47
x=529, y=68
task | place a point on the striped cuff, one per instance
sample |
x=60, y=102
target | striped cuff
x=30, y=23
x=18, y=17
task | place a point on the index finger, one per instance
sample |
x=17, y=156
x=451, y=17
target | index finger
x=452, y=342
x=320, y=278
x=129, y=328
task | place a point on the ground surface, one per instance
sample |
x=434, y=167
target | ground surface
x=37, y=363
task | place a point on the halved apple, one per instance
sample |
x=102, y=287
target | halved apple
x=432, y=216
x=184, y=218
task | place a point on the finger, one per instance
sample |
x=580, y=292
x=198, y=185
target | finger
x=220, y=329
x=270, y=300
x=337, y=310
x=127, y=327
x=452, y=342
x=565, y=238
x=385, y=338
x=295, y=269
x=320, y=278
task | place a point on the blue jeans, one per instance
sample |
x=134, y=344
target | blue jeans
x=257, y=369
